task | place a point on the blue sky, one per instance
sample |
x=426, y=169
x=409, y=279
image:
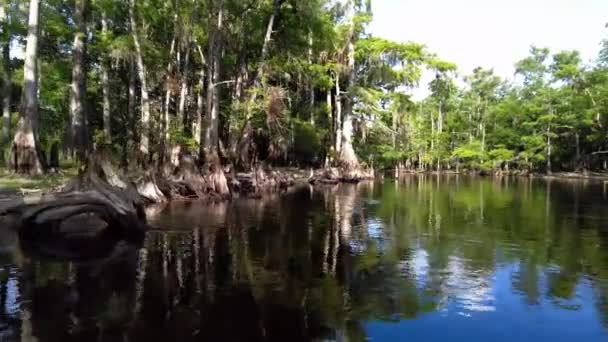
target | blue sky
x=493, y=33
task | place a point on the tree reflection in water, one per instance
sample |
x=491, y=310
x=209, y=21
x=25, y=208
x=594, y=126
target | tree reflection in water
x=322, y=263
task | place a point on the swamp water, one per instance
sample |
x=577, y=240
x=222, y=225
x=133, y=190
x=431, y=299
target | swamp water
x=423, y=258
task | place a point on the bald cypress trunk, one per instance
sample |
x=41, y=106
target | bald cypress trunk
x=130, y=129
x=200, y=103
x=77, y=112
x=338, y=115
x=6, y=80
x=24, y=150
x=144, y=141
x=166, y=119
x=311, y=90
x=183, y=95
x=330, y=117
x=167, y=105
x=210, y=144
x=348, y=158
x=210, y=141
x=105, y=87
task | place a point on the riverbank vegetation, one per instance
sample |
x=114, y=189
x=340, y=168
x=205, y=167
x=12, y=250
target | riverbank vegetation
x=208, y=89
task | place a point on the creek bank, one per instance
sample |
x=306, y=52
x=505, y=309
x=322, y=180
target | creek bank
x=101, y=201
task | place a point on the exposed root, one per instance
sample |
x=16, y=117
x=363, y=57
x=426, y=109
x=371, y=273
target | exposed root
x=93, y=212
x=95, y=202
x=260, y=181
x=341, y=175
x=24, y=154
x=148, y=188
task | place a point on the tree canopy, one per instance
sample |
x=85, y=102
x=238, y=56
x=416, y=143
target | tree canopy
x=289, y=83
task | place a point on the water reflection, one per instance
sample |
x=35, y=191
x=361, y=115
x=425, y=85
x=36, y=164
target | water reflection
x=420, y=257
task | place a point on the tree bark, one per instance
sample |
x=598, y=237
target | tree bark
x=210, y=145
x=183, y=95
x=578, y=147
x=105, y=86
x=166, y=121
x=132, y=132
x=144, y=142
x=549, y=149
x=6, y=79
x=329, y=156
x=348, y=159
x=311, y=91
x=200, y=102
x=24, y=151
x=338, y=115
x=210, y=141
x=77, y=88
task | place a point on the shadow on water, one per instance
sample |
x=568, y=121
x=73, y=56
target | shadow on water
x=420, y=257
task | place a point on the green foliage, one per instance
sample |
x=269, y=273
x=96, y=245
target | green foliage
x=471, y=153
x=556, y=104
x=179, y=137
x=307, y=142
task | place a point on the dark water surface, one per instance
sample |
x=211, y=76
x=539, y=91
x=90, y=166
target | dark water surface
x=425, y=258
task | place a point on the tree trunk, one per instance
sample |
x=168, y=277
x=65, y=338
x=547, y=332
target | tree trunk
x=338, y=115
x=432, y=132
x=105, y=86
x=311, y=90
x=217, y=178
x=132, y=132
x=483, y=136
x=166, y=121
x=440, y=118
x=24, y=151
x=578, y=148
x=77, y=88
x=6, y=81
x=183, y=95
x=144, y=142
x=348, y=159
x=200, y=103
x=241, y=79
x=329, y=156
x=549, y=149
x=210, y=141
x=394, y=123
